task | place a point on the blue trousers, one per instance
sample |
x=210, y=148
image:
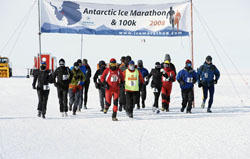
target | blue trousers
x=211, y=95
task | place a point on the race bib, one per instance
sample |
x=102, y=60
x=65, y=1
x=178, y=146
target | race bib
x=132, y=83
x=114, y=78
x=206, y=75
x=65, y=77
x=190, y=80
x=155, y=90
x=165, y=79
x=45, y=87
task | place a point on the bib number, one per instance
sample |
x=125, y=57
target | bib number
x=190, y=80
x=155, y=90
x=165, y=79
x=65, y=77
x=45, y=87
x=206, y=75
x=114, y=79
x=132, y=83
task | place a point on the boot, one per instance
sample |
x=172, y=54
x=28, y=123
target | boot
x=101, y=110
x=182, y=109
x=39, y=113
x=157, y=111
x=43, y=116
x=85, y=107
x=120, y=108
x=203, y=105
x=163, y=109
x=189, y=112
x=70, y=107
x=143, y=104
x=167, y=108
x=66, y=114
x=105, y=110
x=209, y=110
x=114, y=116
x=74, y=113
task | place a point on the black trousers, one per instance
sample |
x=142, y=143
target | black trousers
x=142, y=94
x=131, y=100
x=187, y=98
x=63, y=99
x=42, y=100
x=157, y=93
x=86, y=89
x=122, y=96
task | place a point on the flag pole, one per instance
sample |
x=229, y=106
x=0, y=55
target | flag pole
x=81, y=45
x=192, y=40
x=39, y=29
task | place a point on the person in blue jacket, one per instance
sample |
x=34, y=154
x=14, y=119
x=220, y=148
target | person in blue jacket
x=208, y=75
x=143, y=90
x=83, y=69
x=187, y=77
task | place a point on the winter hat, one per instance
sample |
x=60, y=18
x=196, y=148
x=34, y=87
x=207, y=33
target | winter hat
x=61, y=62
x=157, y=65
x=131, y=62
x=79, y=61
x=85, y=61
x=101, y=63
x=139, y=62
x=76, y=64
x=209, y=58
x=167, y=57
x=188, y=61
x=128, y=58
x=112, y=60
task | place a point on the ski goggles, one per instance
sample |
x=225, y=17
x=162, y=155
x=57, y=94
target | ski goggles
x=189, y=64
x=112, y=64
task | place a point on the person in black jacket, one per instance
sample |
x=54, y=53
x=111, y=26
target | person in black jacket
x=156, y=84
x=43, y=78
x=62, y=77
x=87, y=82
x=98, y=84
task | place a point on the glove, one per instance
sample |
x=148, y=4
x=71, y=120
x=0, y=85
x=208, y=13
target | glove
x=106, y=85
x=182, y=82
x=200, y=85
x=34, y=87
x=215, y=81
x=56, y=84
x=171, y=78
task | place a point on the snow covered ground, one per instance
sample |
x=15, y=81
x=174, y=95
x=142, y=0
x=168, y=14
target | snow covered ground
x=92, y=135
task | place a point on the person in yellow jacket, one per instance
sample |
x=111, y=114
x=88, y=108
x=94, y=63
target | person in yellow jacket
x=132, y=78
x=75, y=87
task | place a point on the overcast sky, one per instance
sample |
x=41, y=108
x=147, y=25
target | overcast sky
x=229, y=20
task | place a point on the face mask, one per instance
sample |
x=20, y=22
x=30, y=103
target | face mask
x=139, y=65
x=165, y=65
x=76, y=67
x=131, y=67
x=113, y=68
x=189, y=65
x=158, y=66
x=43, y=67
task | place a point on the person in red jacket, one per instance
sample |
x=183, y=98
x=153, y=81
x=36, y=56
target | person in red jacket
x=168, y=77
x=132, y=78
x=112, y=78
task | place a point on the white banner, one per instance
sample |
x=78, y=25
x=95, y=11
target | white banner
x=60, y=16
